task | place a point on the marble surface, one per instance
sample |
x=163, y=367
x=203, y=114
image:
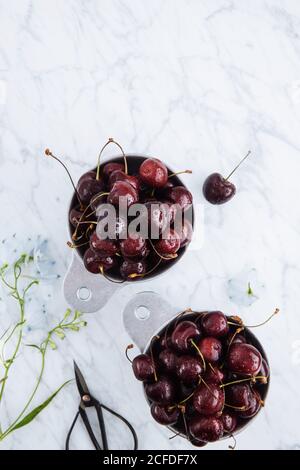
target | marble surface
x=197, y=83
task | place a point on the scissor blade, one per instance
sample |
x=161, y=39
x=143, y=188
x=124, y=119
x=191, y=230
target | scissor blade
x=81, y=383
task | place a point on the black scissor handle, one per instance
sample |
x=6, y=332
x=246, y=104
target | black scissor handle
x=89, y=429
x=130, y=427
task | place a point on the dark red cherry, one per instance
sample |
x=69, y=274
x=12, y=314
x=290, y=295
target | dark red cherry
x=105, y=246
x=264, y=373
x=217, y=189
x=167, y=359
x=110, y=167
x=238, y=395
x=238, y=338
x=89, y=175
x=182, y=335
x=181, y=196
x=143, y=368
x=124, y=190
x=119, y=175
x=93, y=261
x=88, y=187
x=208, y=399
x=214, y=375
x=244, y=359
x=229, y=421
x=188, y=369
x=211, y=348
x=206, y=429
x=215, y=324
x=162, y=392
x=158, y=216
x=153, y=172
x=165, y=342
x=254, y=406
x=169, y=245
x=74, y=216
x=130, y=267
x=186, y=234
x=133, y=246
x=164, y=414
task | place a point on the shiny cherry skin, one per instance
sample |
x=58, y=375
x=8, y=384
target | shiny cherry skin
x=238, y=338
x=214, y=375
x=208, y=400
x=188, y=369
x=182, y=335
x=110, y=167
x=74, y=216
x=186, y=234
x=164, y=415
x=133, y=246
x=264, y=373
x=154, y=172
x=254, y=406
x=244, y=359
x=238, y=395
x=181, y=196
x=87, y=188
x=218, y=190
x=206, y=429
x=162, y=392
x=93, y=261
x=143, y=368
x=105, y=246
x=229, y=421
x=158, y=216
x=211, y=349
x=215, y=324
x=167, y=359
x=169, y=245
x=130, y=267
x=124, y=190
x=119, y=175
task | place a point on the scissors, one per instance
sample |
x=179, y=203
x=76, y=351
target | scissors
x=87, y=401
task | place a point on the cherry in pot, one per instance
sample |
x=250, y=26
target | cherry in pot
x=163, y=391
x=143, y=368
x=165, y=415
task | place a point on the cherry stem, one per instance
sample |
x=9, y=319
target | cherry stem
x=48, y=153
x=276, y=311
x=161, y=256
x=234, y=442
x=237, y=331
x=73, y=245
x=130, y=346
x=84, y=212
x=200, y=354
x=101, y=268
x=134, y=275
x=152, y=356
x=180, y=173
x=111, y=141
x=230, y=174
x=252, y=379
x=238, y=408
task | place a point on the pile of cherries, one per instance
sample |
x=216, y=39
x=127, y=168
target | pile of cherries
x=205, y=375
x=129, y=256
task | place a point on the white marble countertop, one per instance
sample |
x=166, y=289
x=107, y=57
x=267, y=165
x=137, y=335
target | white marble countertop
x=196, y=83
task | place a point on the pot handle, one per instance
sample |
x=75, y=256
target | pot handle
x=85, y=291
x=144, y=315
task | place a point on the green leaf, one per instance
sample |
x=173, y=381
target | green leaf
x=33, y=346
x=30, y=417
x=67, y=314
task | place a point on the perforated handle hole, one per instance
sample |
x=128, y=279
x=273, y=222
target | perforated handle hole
x=84, y=294
x=142, y=312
